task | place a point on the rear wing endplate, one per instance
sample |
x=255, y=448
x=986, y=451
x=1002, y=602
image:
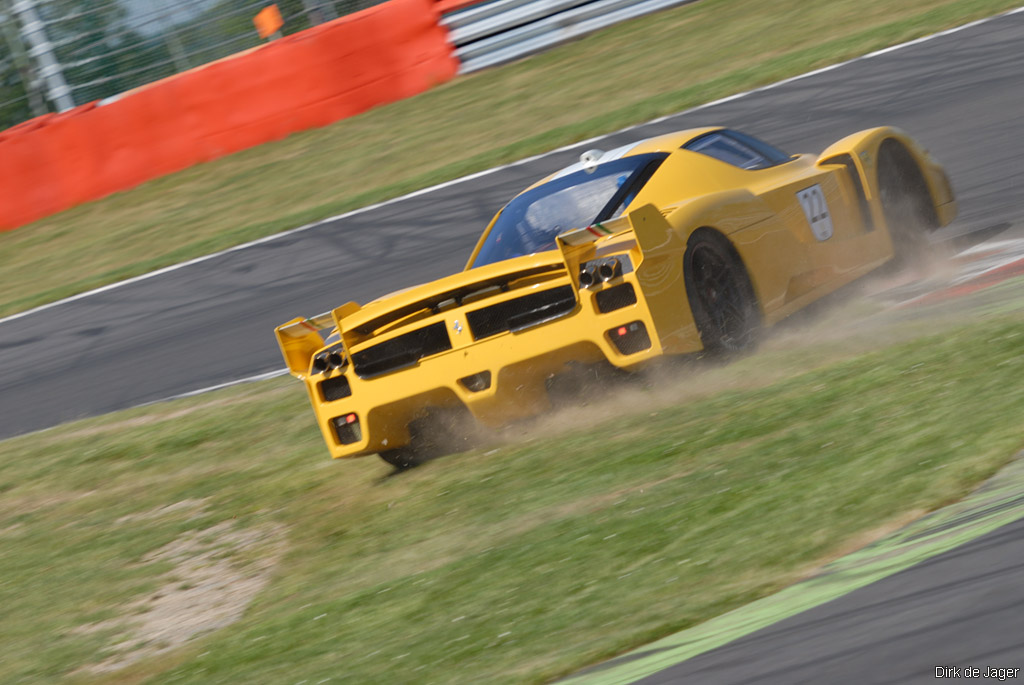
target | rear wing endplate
x=300, y=338
x=653, y=234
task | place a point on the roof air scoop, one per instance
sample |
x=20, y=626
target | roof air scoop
x=590, y=159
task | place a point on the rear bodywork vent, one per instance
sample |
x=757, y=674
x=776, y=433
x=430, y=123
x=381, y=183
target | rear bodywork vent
x=610, y=299
x=335, y=388
x=862, y=200
x=402, y=351
x=522, y=312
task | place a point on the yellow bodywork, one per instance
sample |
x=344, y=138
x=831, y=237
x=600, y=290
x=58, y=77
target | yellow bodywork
x=755, y=210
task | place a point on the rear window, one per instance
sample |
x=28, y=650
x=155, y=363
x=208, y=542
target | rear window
x=738, y=149
x=529, y=223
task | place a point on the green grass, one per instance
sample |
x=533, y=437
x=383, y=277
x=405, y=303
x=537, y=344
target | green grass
x=655, y=65
x=514, y=563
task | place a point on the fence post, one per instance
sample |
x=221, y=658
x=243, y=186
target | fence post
x=21, y=63
x=319, y=12
x=40, y=48
x=174, y=46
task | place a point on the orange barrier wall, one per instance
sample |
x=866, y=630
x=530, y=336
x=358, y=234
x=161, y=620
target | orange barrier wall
x=308, y=79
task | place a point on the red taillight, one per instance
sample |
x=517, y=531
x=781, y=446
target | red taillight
x=631, y=338
x=347, y=429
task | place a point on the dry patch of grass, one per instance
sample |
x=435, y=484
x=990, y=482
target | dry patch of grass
x=215, y=573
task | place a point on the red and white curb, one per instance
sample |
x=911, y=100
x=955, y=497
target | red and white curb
x=976, y=268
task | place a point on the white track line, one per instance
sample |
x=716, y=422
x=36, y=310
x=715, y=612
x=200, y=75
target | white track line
x=970, y=278
x=986, y=266
x=957, y=282
x=994, y=246
x=250, y=379
x=525, y=160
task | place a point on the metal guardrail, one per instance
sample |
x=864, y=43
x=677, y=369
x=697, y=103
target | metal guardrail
x=505, y=30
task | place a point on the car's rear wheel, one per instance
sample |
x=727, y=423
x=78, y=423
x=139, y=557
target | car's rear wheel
x=402, y=458
x=436, y=432
x=906, y=202
x=721, y=296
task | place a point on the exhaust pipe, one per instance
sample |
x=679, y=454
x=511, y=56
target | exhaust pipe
x=609, y=269
x=588, y=276
x=320, y=363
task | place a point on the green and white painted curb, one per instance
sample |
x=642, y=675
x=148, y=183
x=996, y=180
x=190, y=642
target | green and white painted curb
x=999, y=501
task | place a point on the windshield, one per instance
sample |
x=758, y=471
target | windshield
x=529, y=223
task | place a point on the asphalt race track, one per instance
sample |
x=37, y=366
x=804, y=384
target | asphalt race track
x=960, y=609
x=212, y=322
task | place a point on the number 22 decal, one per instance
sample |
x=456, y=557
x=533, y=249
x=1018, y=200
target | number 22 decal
x=816, y=210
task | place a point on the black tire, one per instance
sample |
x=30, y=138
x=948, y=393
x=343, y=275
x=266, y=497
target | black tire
x=402, y=458
x=437, y=432
x=720, y=293
x=906, y=202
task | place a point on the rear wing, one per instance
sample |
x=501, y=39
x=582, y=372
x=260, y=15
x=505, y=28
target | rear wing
x=577, y=246
x=301, y=337
x=653, y=234
x=592, y=233
x=657, y=255
x=300, y=328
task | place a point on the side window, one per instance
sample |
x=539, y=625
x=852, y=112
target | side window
x=737, y=149
x=769, y=152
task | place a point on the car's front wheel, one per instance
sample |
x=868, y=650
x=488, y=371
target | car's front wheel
x=720, y=293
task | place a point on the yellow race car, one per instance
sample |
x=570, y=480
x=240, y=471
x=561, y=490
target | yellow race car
x=681, y=243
